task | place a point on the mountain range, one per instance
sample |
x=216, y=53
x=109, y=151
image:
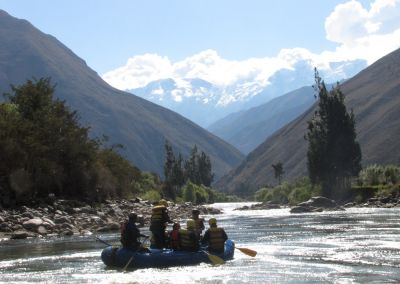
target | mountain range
x=247, y=129
x=374, y=96
x=141, y=126
x=205, y=103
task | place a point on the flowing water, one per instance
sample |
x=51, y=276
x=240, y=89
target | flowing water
x=359, y=245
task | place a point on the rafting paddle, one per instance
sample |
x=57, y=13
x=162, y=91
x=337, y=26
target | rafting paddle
x=247, y=251
x=127, y=264
x=102, y=241
x=215, y=260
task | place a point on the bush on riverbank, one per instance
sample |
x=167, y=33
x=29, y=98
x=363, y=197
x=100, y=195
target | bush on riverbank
x=45, y=151
x=379, y=175
x=199, y=194
x=288, y=193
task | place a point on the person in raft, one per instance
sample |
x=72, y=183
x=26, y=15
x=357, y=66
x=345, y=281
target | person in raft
x=158, y=224
x=214, y=237
x=188, y=239
x=199, y=222
x=130, y=234
x=174, y=237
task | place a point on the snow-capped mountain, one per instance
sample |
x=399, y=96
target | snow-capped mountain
x=204, y=102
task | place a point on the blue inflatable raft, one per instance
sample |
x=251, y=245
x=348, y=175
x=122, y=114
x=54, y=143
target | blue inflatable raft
x=119, y=257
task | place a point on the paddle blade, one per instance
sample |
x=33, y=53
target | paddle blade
x=215, y=260
x=248, y=251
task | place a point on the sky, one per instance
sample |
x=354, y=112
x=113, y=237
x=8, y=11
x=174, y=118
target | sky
x=131, y=43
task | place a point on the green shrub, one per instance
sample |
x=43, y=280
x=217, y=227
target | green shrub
x=378, y=175
x=151, y=195
x=288, y=193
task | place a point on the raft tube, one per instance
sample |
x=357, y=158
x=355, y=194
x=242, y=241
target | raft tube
x=119, y=257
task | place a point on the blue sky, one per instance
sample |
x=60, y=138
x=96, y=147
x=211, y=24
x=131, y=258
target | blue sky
x=107, y=34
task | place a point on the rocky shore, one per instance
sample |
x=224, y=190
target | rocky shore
x=319, y=204
x=70, y=217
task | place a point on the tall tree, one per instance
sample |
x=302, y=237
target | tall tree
x=169, y=171
x=205, y=171
x=278, y=171
x=333, y=154
x=192, y=167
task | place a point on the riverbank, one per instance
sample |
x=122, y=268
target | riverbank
x=319, y=204
x=71, y=217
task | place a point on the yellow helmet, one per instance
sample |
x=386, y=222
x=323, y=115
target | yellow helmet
x=212, y=221
x=163, y=202
x=190, y=224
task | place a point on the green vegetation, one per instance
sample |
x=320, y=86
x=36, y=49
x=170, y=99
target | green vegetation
x=197, y=170
x=379, y=175
x=198, y=194
x=334, y=155
x=44, y=150
x=377, y=181
x=288, y=193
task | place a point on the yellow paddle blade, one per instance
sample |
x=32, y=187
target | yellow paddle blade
x=248, y=251
x=216, y=260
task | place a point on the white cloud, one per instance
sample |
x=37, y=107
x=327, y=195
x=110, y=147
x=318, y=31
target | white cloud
x=361, y=33
x=139, y=71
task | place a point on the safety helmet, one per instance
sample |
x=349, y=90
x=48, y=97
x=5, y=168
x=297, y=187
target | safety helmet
x=212, y=221
x=190, y=224
x=163, y=202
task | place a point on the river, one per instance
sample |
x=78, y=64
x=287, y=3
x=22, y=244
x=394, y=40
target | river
x=359, y=245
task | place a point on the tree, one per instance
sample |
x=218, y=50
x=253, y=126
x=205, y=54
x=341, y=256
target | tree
x=278, y=171
x=169, y=162
x=205, y=172
x=192, y=167
x=44, y=150
x=333, y=154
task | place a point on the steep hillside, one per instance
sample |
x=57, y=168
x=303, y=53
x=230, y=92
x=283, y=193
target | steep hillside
x=373, y=94
x=248, y=129
x=142, y=127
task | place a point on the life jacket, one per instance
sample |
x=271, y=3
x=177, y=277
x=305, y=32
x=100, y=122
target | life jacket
x=217, y=241
x=174, y=239
x=199, y=225
x=187, y=241
x=158, y=214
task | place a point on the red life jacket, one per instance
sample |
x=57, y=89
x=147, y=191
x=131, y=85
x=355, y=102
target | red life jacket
x=174, y=239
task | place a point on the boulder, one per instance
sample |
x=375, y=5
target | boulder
x=48, y=221
x=61, y=219
x=1, y=220
x=28, y=215
x=17, y=235
x=302, y=209
x=42, y=230
x=319, y=201
x=32, y=224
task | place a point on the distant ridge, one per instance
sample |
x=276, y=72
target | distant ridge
x=142, y=127
x=248, y=129
x=373, y=94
